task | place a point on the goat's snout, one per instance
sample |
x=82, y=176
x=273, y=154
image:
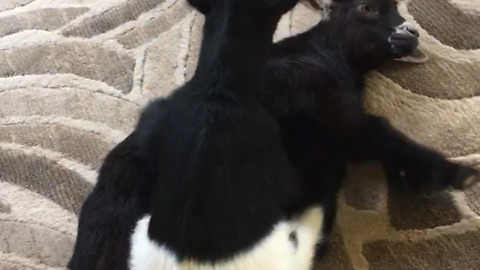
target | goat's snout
x=407, y=29
x=413, y=30
x=404, y=39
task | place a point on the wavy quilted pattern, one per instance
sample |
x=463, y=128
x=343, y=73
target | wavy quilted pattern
x=74, y=75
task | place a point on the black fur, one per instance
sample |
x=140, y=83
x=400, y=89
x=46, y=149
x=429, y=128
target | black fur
x=314, y=85
x=207, y=163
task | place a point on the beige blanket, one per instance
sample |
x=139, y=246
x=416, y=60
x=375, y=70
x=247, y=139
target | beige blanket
x=74, y=75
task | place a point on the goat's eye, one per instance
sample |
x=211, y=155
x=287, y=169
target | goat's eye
x=370, y=9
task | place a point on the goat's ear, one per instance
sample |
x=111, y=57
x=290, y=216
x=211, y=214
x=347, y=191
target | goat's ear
x=203, y=6
x=333, y=3
x=316, y=4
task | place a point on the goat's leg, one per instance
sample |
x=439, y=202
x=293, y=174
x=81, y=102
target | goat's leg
x=330, y=176
x=322, y=174
x=407, y=163
x=326, y=178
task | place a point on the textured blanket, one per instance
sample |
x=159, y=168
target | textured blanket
x=75, y=74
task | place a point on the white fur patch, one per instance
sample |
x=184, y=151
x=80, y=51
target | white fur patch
x=274, y=252
x=470, y=181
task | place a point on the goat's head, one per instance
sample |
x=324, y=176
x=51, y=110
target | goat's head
x=375, y=24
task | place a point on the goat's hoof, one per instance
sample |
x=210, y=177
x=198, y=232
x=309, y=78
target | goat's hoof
x=321, y=249
x=465, y=178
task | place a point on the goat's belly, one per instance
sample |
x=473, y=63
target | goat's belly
x=290, y=245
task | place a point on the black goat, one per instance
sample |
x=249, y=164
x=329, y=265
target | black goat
x=314, y=84
x=204, y=181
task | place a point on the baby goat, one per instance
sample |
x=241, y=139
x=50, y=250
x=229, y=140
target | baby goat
x=204, y=182
x=314, y=84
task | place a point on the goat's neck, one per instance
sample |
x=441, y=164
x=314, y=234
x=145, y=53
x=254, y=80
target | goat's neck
x=235, y=50
x=364, y=62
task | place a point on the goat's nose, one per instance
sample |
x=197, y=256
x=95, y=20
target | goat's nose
x=410, y=28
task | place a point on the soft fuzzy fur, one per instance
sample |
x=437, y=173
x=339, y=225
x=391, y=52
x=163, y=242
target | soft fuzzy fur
x=204, y=181
x=290, y=245
x=314, y=86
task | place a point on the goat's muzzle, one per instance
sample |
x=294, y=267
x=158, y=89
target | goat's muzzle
x=403, y=39
x=407, y=29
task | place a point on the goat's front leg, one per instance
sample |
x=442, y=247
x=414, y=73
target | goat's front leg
x=322, y=175
x=406, y=163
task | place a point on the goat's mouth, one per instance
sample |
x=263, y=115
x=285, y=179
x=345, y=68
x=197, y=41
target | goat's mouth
x=404, y=44
x=417, y=57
